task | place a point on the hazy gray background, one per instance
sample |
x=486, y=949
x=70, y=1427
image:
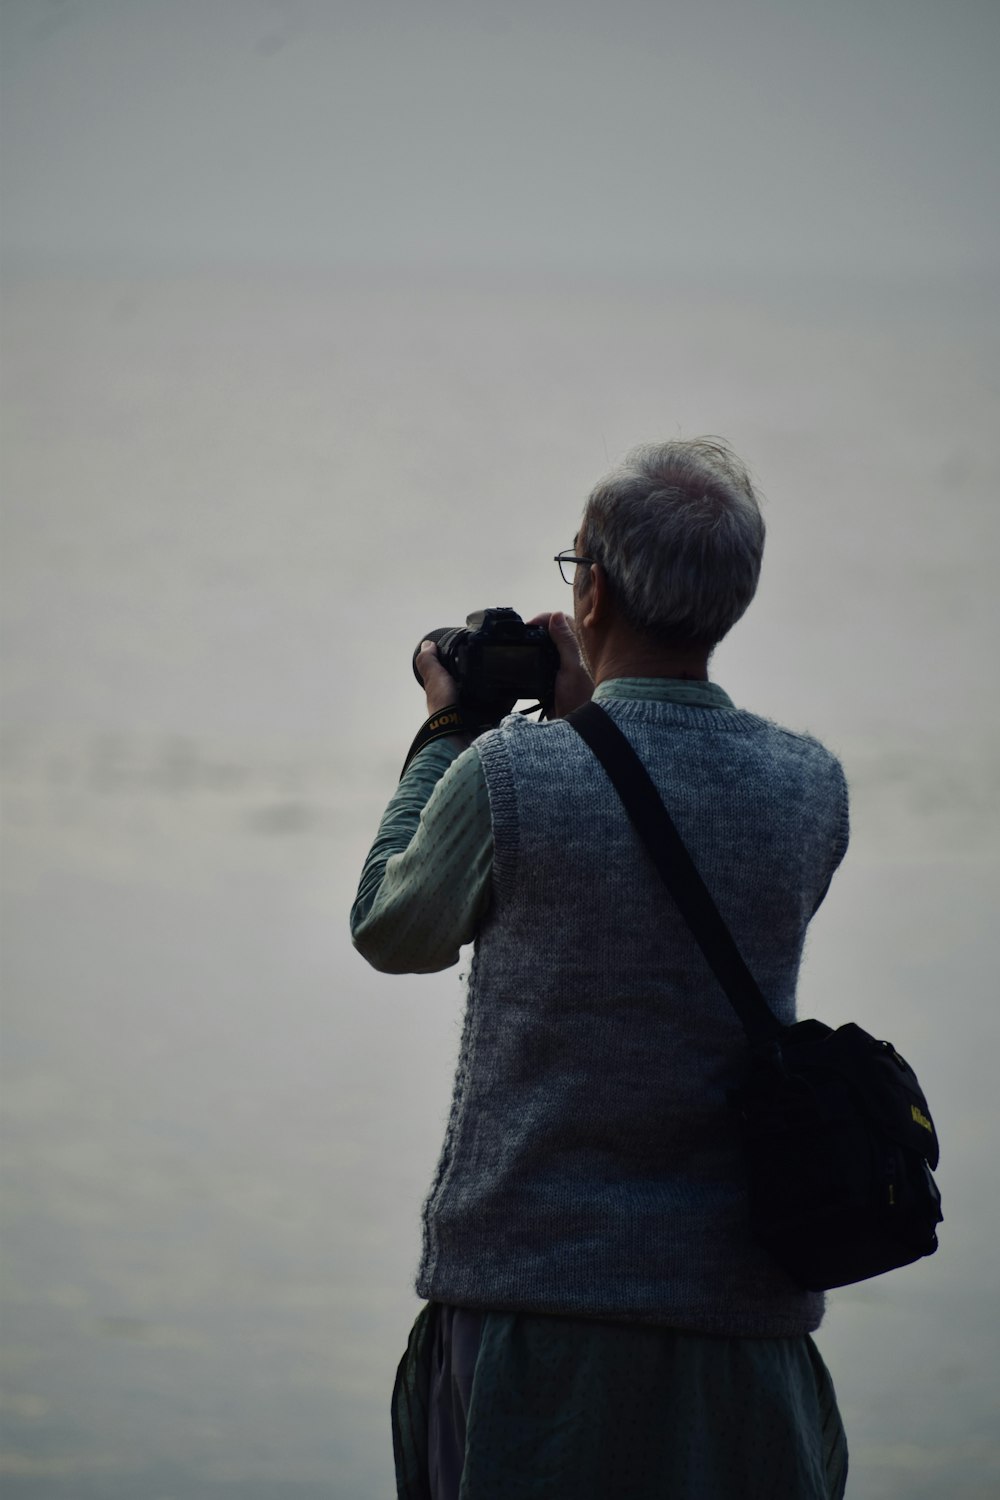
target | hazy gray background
x=318, y=322
x=803, y=137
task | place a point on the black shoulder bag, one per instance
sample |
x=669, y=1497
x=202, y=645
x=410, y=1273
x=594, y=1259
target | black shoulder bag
x=838, y=1138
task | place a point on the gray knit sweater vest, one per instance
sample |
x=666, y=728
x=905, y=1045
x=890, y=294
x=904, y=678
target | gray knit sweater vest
x=590, y=1166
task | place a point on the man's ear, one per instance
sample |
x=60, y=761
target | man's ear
x=596, y=597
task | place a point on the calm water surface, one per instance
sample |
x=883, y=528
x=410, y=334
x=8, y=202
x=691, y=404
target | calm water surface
x=232, y=509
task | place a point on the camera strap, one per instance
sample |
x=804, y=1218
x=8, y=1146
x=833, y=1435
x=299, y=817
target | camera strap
x=451, y=720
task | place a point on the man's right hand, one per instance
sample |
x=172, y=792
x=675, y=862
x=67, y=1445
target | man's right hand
x=574, y=684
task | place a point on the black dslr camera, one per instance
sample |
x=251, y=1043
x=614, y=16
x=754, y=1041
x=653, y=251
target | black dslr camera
x=496, y=659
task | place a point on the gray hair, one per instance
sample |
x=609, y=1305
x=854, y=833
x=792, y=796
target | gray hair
x=678, y=530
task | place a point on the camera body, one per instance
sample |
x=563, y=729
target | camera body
x=496, y=659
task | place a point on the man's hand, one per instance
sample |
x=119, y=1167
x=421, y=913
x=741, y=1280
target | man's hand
x=440, y=686
x=574, y=685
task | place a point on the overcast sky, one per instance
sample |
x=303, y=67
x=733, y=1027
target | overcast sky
x=860, y=135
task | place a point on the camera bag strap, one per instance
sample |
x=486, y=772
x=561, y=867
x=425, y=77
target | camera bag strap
x=666, y=848
x=838, y=1138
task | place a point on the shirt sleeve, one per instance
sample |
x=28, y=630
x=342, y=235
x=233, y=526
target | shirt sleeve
x=425, y=885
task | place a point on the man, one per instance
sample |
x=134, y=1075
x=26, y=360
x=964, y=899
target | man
x=600, y=1323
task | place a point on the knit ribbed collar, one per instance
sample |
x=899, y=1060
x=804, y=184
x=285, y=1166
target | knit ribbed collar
x=665, y=690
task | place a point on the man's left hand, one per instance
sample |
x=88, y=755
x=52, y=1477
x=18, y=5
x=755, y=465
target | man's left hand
x=440, y=686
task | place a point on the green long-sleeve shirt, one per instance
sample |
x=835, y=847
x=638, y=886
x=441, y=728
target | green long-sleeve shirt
x=425, y=885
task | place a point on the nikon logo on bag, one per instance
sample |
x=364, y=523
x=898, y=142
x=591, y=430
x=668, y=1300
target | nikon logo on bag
x=920, y=1118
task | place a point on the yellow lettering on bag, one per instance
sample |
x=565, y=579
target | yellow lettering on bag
x=919, y=1118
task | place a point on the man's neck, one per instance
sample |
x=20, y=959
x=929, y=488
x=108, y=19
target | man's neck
x=611, y=647
x=637, y=658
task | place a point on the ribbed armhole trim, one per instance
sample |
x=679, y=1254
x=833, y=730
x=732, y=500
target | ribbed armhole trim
x=844, y=823
x=495, y=759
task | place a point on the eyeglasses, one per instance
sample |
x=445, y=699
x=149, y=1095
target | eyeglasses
x=569, y=562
